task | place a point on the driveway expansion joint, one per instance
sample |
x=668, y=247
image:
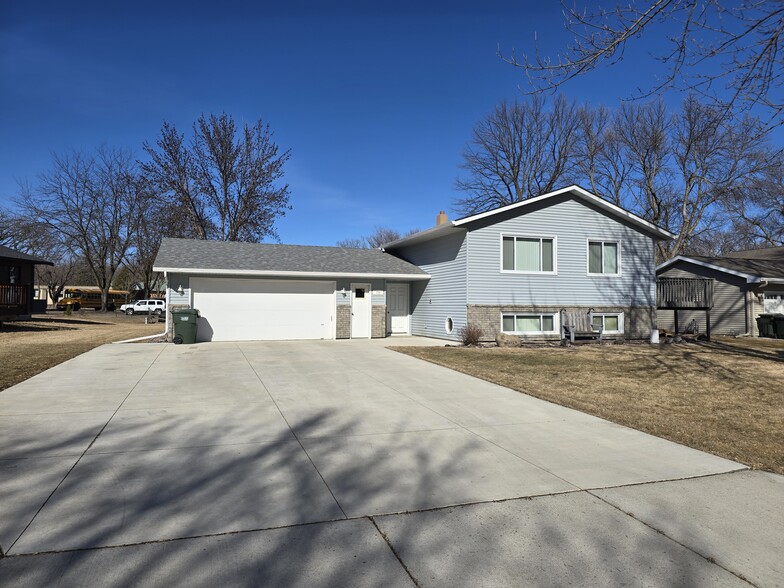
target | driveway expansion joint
x=394, y=552
x=707, y=558
x=98, y=434
x=288, y=424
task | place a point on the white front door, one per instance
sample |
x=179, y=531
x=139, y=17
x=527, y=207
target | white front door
x=774, y=303
x=397, y=305
x=360, y=311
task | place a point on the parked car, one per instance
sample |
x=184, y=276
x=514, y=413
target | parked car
x=150, y=306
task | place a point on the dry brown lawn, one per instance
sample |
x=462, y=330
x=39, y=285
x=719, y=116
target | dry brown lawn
x=30, y=347
x=724, y=397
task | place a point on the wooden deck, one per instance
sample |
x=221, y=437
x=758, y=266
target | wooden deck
x=14, y=299
x=683, y=293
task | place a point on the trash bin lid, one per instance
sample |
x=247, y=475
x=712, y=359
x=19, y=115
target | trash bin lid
x=186, y=311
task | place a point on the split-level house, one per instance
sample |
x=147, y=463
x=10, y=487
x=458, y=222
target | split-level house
x=516, y=269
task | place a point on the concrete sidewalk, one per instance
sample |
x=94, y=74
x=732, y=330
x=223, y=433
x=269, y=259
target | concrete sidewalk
x=344, y=463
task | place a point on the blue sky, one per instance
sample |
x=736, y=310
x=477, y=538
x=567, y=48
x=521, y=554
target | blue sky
x=376, y=100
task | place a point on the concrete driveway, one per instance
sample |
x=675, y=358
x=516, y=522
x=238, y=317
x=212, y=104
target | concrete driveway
x=344, y=463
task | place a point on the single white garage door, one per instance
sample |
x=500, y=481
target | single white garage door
x=256, y=310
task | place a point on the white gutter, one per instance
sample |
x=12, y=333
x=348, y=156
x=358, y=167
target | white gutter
x=288, y=274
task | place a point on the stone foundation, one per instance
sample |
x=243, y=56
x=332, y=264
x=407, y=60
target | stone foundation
x=378, y=321
x=638, y=320
x=343, y=322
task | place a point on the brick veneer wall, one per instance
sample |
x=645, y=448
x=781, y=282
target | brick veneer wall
x=343, y=322
x=638, y=320
x=378, y=321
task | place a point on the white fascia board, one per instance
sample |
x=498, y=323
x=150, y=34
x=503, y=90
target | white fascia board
x=287, y=274
x=718, y=268
x=425, y=235
x=771, y=280
x=585, y=195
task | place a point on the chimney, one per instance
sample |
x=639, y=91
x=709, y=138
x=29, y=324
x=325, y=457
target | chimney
x=441, y=219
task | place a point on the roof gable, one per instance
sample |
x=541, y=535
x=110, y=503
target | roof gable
x=753, y=270
x=523, y=206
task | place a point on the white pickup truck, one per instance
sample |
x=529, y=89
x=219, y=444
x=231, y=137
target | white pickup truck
x=150, y=306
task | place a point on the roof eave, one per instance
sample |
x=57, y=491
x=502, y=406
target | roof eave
x=421, y=236
x=289, y=274
x=35, y=261
x=713, y=266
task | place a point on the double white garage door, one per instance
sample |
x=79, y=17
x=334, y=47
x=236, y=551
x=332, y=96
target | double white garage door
x=257, y=310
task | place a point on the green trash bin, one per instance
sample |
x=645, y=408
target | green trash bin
x=778, y=326
x=186, y=323
x=765, y=325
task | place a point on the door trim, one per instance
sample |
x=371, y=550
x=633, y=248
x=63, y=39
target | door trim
x=369, y=297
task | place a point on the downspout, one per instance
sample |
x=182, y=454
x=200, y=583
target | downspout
x=749, y=308
x=166, y=330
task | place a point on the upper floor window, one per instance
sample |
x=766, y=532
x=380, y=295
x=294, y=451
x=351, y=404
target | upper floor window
x=528, y=254
x=604, y=258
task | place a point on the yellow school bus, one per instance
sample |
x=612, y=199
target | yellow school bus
x=77, y=298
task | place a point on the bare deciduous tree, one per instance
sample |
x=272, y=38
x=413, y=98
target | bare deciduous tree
x=726, y=53
x=41, y=240
x=225, y=182
x=93, y=204
x=681, y=170
x=520, y=150
x=376, y=239
x=757, y=208
x=599, y=154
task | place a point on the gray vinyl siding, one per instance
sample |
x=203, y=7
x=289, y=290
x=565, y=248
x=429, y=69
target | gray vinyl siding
x=378, y=288
x=571, y=223
x=444, y=295
x=173, y=282
x=728, y=315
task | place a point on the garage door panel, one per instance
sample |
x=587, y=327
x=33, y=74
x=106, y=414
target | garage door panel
x=252, y=310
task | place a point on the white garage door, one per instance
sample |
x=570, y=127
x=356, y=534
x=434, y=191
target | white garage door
x=256, y=310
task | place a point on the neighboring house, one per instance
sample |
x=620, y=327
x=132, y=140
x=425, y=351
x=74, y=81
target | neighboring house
x=512, y=269
x=17, y=276
x=745, y=285
x=258, y=291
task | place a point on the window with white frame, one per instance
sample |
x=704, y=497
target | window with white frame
x=528, y=254
x=604, y=258
x=610, y=322
x=528, y=323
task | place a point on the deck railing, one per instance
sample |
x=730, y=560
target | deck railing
x=14, y=297
x=684, y=293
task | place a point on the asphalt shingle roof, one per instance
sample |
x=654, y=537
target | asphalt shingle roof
x=764, y=267
x=8, y=253
x=270, y=257
x=774, y=253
